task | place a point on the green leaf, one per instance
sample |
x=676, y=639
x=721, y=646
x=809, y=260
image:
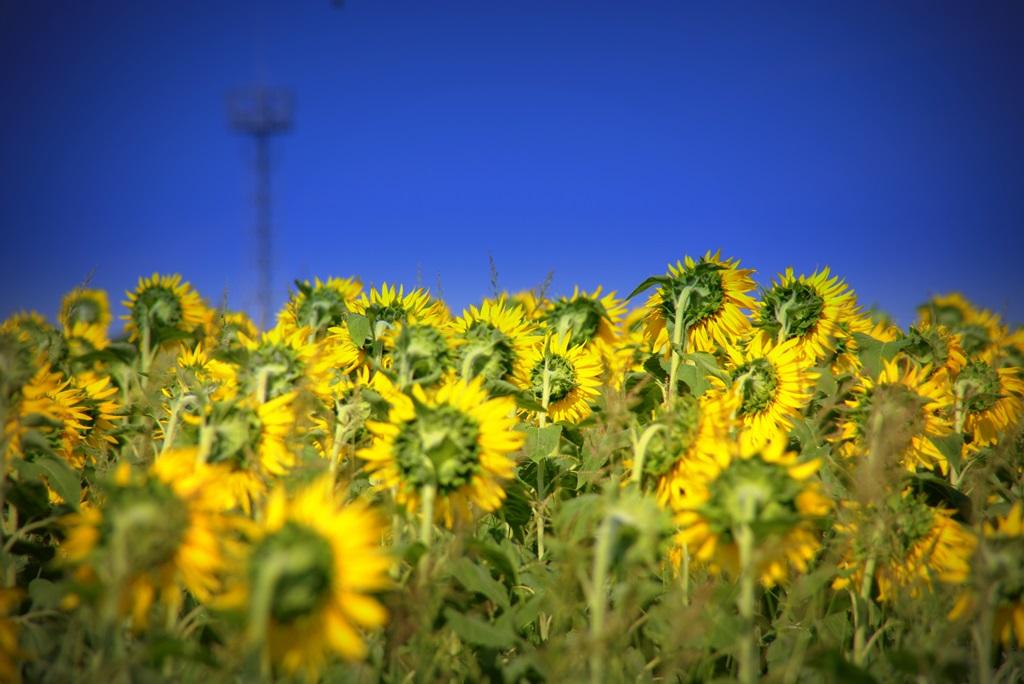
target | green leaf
x=473, y=630
x=834, y=628
x=646, y=285
x=938, y=492
x=503, y=388
x=703, y=360
x=889, y=349
x=806, y=433
x=475, y=578
x=873, y=352
x=542, y=442
x=834, y=668
x=576, y=518
x=59, y=475
x=413, y=552
x=525, y=400
x=573, y=433
x=516, y=510
x=115, y=352
x=657, y=366
x=806, y=587
x=526, y=612
x=516, y=670
x=501, y=558
x=724, y=631
x=358, y=328
x=44, y=593
x=951, y=446
x=826, y=384
x=694, y=378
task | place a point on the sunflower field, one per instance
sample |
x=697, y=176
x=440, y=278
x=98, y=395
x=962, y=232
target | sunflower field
x=706, y=480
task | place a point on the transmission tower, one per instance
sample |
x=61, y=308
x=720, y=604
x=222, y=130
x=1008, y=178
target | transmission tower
x=261, y=113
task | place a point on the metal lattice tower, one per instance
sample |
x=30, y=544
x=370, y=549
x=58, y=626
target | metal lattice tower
x=260, y=113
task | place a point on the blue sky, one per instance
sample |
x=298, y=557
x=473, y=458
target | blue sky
x=599, y=140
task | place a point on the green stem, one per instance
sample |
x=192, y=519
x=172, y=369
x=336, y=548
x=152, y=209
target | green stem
x=598, y=600
x=144, y=357
x=678, y=343
x=748, y=652
x=782, y=316
x=262, y=598
x=427, y=495
x=863, y=612
x=25, y=529
x=981, y=634
x=10, y=530
x=539, y=509
x=339, y=433
x=640, y=452
x=206, y=435
x=685, y=571
x=172, y=426
x=958, y=408
x=468, y=361
x=545, y=398
x=262, y=378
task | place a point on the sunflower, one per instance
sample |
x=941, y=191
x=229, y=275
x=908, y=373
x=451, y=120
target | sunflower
x=161, y=305
x=83, y=339
x=250, y=441
x=845, y=357
x=999, y=564
x=276, y=363
x=54, y=408
x=45, y=343
x=1006, y=535
x=774, y=382
x=764, y=492
x=532, y=302
x=307, y=578
x=339, y=359
x=984, y=335
x=319, y=305
x=453, y=443
x=950, y=310
x=630, y=351
x=981, y=331
x=339, y=427
x=152, y=534
x=85, y=317
x=491, y=340
x=988, y=400
x=88, y=308
x=207, y=377
x=1013, y=348
x=935, y=346
x=690, y=428
x=900, y=414
x=419, y=353
x=388, y=306
x=918, y=544
x=707, y=298
x=99, y=402
x=586, y=317
x=228, y=328
x=807, y=309
x=566, y=377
